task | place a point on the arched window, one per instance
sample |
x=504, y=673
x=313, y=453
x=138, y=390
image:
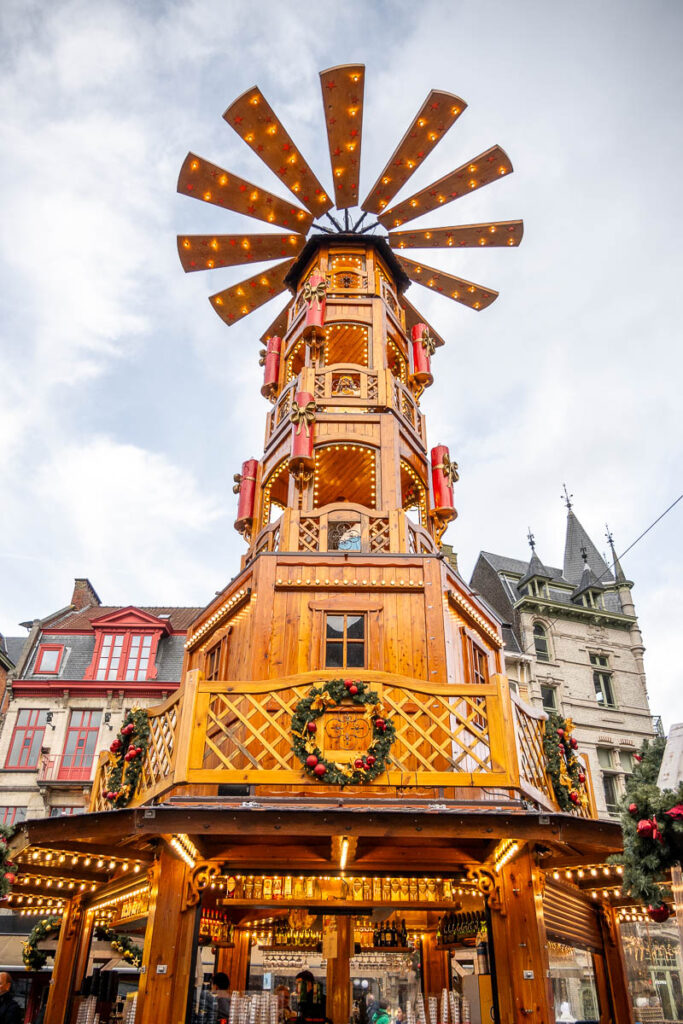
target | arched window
x=541, y=642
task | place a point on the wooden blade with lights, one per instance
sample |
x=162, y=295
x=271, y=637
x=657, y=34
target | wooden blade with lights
x=206, y=252
x=476, y=173
x=206, y=181
x=436, y=115
x=236, y=302
x=464, y=236
x=342, y=89
x=255, y=121
x=456, y=288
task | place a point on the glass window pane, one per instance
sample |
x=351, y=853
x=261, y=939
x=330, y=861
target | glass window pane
x=48, y=661
x=355, y=627
x=548, y=697
x=334, y=655
x=604, y=757
x=355, y=655
x=626, y=758
x=335, y=625
x=611, y=792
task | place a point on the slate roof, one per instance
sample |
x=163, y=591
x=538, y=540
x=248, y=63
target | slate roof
x=501, y=563
x=179, y=619
x=573, y=559
x=79, y=650
x=14, y=645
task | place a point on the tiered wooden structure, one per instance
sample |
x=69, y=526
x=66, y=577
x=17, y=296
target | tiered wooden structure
x=343, y=516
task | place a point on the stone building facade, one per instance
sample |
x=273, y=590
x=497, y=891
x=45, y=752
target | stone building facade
x=573, y=645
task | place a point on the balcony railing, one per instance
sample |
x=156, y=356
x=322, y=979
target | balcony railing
x=345, y=527
x=468, y=736
x=66, y=768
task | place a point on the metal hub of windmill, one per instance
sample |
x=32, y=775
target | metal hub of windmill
x=256, y=123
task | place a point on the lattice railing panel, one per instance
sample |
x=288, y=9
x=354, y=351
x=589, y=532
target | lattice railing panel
x=530, y=748
x=159, y=760
x=248, y=732
x=379, y=534
x=309, y=534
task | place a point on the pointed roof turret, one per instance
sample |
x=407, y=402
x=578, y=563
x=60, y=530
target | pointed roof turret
x=619, y=574
x=536, y=568
x=574, y=563
x=589, y=580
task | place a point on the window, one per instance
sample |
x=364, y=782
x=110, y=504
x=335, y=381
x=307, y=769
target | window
x=626, y=761
x=124, y=656
x=48, y=659
x=602, y=680
x=79, y=747
x=476, y=661
x=212, y=665
x=66, y=810
x=345, y=641
x=541, y=642
x=27, y=739
x=549, y=697
x=12, y=815
x=609, y=779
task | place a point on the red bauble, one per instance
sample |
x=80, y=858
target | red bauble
x=348, y=682
x=637, y=757
x=560, y=733
x=644, y=827
x=115, y=747
x=574, y=797
x=128, y=729
x=633, y=809
x=562, y=748
x=574, y=744
x=582, y=778
x=675, y=812
x=353, y=690
x=10, y=877
x=658, y=914
x=311, y=726
x=311, y=761
x=358, y=763
x=320, y=769
x=371, y=760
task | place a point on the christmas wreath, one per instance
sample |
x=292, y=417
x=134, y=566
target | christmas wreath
x=7, y=875
x=126, y=754
x=33, y=957
x=563, y=766
x=333, y=694
x=652, y=828
x=120, y=943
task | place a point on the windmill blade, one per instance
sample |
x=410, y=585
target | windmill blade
x=465, y=292
x=464, y=236
x=342, y=89
x=476, y=173
x=206, y=181
x=255, y=121
x=437, y=114
x=206, y=252
x=236, y=302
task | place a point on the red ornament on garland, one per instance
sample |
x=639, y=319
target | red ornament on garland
x=574, y=743
x=311, y=727
x=582, y=778
x=560, y=733
x=10, y=877
x=358, y=763
x=637, y=757
x=675, y=812
x=574, y=797
x=371, y=760
x=128, y=729
x=633, y=809
x=353, y=690
x=311, y=761
x=348, y=683
x=115, y=747
x=320, y=769
x=644, y=828
x=658, y=914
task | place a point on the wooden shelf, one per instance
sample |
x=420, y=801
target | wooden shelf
x=457, y=945
x=317, y=948
x=385, y=949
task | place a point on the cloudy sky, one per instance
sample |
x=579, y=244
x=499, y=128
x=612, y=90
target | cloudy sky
x=126, y=405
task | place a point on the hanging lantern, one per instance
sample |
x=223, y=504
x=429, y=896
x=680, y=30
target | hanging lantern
x=444, y=475
x=302, y=417
x=271, y=366
x=314, y=295
x=423, y=349
x=245, y=486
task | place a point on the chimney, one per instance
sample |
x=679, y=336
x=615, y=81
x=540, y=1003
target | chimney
x=84, y=595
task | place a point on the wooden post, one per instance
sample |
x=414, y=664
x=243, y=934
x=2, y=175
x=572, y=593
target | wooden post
x=235, y=962
x=66, y=955
x=520, y=946
x=338, y=968
x=167, y=952
x=434, y=967
x=615, y=965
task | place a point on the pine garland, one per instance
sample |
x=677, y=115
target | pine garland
x=563, y=766
x=7, y=875
x=120, y=943
x=127, y=753
x=652, y=828
x=331, y=694
x=33, y=957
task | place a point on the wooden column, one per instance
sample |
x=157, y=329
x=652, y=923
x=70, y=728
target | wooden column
x=338, y=968
x=235, y=962
x=615, y=965
x=162, y=995
x=520, y=946
x=66, y=956
x=434, y=967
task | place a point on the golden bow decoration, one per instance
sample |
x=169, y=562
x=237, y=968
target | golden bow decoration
x=237, y=484
x=262, y=357
x=428, y=343
x=380, y=710
x=315, y=292
x=323, y=701
x=303, y=416
x=449, y=469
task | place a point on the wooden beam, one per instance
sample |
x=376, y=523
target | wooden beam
x=342, y=93
x=66, y=959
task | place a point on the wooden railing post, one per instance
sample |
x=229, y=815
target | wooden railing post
x=66, y=958
x=507, y=718
x=186, y=712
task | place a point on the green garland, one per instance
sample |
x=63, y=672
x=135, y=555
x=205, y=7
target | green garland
x=563, y=766
x=33, y=957
x=652, y=828
x=127, y=753
x=7, y=875
x=330, y=694
x=120, y=943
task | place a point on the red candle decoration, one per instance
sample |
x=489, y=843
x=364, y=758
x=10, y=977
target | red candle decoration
x=302, y=418
x=423, y=350
x=245, y=486
x=271, y=366
x=313, y=294
x=444, y=474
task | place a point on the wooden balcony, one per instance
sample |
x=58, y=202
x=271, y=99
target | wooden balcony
x=473, y=741
x=347, y=527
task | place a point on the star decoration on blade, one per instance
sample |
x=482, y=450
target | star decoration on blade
x=254, y=120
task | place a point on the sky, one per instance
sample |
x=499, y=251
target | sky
x=126, y=405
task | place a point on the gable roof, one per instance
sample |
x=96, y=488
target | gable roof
x=576, y=539
x=179, y=619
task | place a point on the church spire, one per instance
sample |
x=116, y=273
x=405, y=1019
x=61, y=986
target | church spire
x=619, y=574
x=535, y=569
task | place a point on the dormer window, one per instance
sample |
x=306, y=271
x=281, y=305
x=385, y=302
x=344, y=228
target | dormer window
x=126, y=644
x=48, y=659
